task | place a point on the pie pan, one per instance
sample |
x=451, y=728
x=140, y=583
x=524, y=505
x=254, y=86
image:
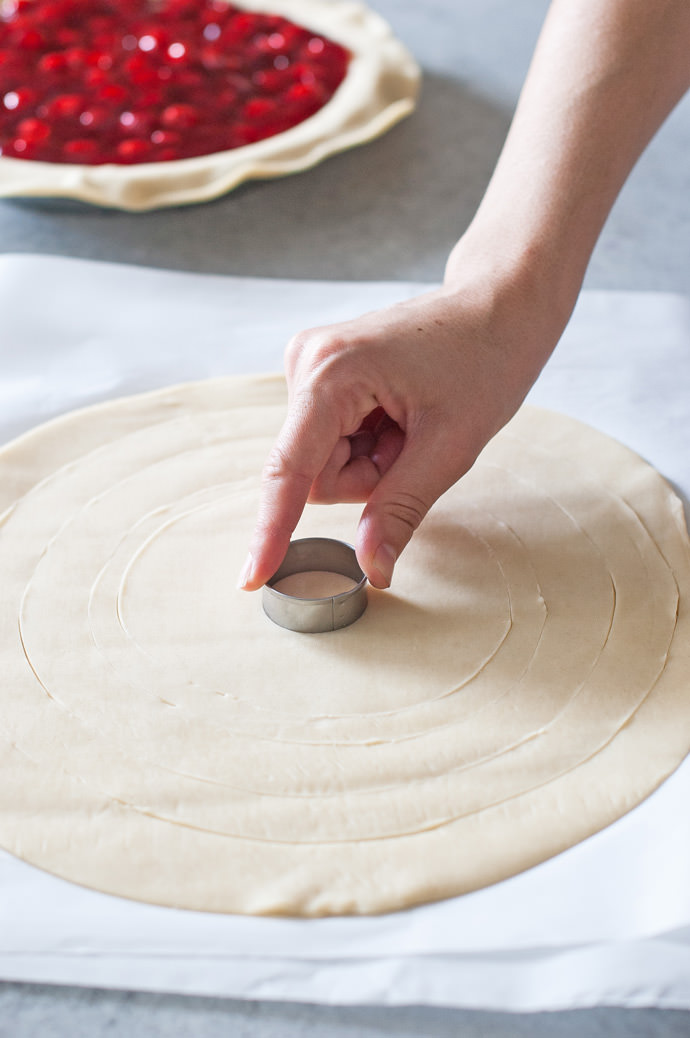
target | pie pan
x=379, y=89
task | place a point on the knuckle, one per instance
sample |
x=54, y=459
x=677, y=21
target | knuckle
x=325, y=362
x=279, y=465
x=314, y=358
x=294, y=350
x=330, y=348
x=407, y=509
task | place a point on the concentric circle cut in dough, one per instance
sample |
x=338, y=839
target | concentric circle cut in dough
x=522, y=685
x=380, y=88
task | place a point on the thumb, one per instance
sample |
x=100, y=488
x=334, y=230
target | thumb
x=423, y=471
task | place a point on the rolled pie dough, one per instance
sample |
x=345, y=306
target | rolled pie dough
x=380, y=88
x=523, y=683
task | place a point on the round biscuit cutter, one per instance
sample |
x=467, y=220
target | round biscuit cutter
x=315, y=615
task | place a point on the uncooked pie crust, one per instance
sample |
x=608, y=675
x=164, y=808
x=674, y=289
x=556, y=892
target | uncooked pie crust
x=379, y=89
x=522, y=685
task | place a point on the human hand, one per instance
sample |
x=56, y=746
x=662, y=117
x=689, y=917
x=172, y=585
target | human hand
x=392, y=409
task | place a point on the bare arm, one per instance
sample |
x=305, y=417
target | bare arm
x=442, y=373
x=604, y=76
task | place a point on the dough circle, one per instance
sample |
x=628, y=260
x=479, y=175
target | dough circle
x=380, y=88
x=522, y=685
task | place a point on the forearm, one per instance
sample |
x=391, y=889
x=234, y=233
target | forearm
x=604, y=76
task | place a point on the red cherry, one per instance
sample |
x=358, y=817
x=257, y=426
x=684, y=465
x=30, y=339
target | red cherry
x=258, y=109
x=181, y=116
x=100, y=23
x=292, y=34
x=140, y=71
x=152, y=38
x=167, y=138
x=133, y=149
x=8, y=59
x=304, y=73
x=99, y=59
x=96, y=77
x=112, y=92
x=221, y=7
x=248, y=133
x=226, y=100
x=30, y=39
x=107, y=41
x=54, y=61
x=276, y=125
x=149, y=98
x=76, y=57
x=179, y=9
x=96, y=117
x=188, y=79
x=55, y=12
x=240, y=84
x=239, y=28
x=82, y=149
x=178, y=52
x=136, y=122
x=20, y=149
x=33, y=130
x=212, y=30
x=19, y=100
x=218, y=56
x=299, y=92
x=64, y=106
x=270, y=80
x=269, y=43
x=66, y=37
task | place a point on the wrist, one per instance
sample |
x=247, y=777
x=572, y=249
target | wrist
x=538, y=273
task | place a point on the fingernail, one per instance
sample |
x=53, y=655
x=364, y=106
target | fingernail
x=384, y=561
x=246, y=574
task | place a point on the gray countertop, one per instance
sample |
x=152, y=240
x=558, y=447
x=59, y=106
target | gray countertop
x=43, y=1012
x=390, y=210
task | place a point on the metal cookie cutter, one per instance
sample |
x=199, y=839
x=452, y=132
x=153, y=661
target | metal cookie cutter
x=314, y=615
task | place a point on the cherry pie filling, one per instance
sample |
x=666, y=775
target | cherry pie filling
x=127, y=81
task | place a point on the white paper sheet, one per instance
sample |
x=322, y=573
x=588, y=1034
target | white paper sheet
x=607, y=922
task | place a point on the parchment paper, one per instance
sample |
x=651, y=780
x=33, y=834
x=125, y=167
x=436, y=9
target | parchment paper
x=607, y=922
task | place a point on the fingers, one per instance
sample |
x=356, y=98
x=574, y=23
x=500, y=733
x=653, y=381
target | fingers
x=401, y=499
x=352, y=481
x=348, y=385
x=388, y=447
x=305, y=444
x=324, y=410
x=306, y=464
x=399, y=478
x=358, y=461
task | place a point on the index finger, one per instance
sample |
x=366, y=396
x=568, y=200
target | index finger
x=305, y=443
